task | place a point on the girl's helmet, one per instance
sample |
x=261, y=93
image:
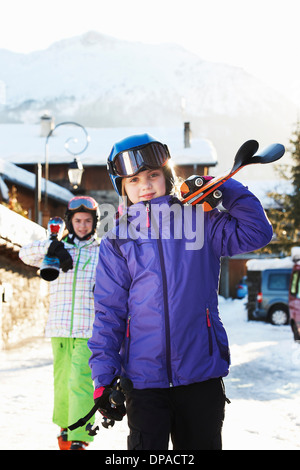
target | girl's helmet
x=130, y=155
x=82, y=204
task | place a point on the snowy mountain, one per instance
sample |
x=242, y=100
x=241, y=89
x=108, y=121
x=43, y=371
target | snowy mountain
x=101, y=81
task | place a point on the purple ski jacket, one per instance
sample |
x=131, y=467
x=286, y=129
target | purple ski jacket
x=156, y=294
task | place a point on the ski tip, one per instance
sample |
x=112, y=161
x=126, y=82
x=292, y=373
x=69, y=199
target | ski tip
x=249, y=146
x=244, y=154
x=269, y=154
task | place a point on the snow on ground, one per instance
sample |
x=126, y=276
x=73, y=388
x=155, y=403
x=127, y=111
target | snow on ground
x=263, y=386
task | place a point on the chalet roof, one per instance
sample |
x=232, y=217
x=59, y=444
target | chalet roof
x=16, y=230
x=16, y=175
x=23, y=144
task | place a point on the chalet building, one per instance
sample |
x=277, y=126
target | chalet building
x=25, y=146
x=21, y=186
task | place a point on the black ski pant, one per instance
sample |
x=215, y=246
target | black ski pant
x=191, y=415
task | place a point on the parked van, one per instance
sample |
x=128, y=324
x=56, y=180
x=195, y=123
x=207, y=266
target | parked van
x=268, y=290
x=294, y=294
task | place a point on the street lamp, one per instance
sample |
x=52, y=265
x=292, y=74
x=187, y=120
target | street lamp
x=75, y=172
x=75, y=168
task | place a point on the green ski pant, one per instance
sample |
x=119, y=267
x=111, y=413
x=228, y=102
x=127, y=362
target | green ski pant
x=73, y=385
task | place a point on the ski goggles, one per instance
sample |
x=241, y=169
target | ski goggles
x=129, y=162
x=82, y=202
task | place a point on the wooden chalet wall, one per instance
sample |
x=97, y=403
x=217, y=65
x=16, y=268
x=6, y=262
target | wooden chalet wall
x=25, y=311
x=24, y=296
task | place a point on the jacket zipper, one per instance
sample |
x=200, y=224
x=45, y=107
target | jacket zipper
x=210, y=326
x=86, y=263
x=166, y=310
x=165, y=295
x=74, y=291
x=128, y=337
x=208, y=322
x=148, y=214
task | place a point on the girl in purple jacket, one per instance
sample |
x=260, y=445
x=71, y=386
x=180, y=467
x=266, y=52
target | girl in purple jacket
x=156, y=300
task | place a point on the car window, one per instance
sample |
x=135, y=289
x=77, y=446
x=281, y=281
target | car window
x=278, y=281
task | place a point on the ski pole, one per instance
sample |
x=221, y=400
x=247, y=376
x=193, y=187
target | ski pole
x=119, y=386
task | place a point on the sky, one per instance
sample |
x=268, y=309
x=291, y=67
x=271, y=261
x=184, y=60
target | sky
x=261, y=36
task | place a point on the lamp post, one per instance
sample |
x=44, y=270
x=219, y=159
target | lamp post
x=75, y=168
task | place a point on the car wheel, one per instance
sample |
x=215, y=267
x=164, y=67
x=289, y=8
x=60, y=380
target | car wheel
x=279, y=316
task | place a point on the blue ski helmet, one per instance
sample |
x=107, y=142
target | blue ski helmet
x=130, y=155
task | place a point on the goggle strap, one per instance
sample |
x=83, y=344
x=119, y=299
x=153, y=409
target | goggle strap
x=77, y=209
x=110, y=168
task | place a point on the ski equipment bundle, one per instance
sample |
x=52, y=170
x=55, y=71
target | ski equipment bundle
x=199, y=190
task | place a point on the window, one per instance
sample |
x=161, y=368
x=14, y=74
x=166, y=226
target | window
x=295, y=284
x=279, y=281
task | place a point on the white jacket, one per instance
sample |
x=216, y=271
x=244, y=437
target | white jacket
x=71, y=311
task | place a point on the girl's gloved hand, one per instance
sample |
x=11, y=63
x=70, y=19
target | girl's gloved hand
x=104, y=398
x=57, y=250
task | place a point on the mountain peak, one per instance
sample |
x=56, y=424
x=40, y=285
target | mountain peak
x=92, y=38
x=89, y=39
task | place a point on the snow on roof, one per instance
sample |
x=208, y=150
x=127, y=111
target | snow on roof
x=16, y=175
x=23, y=144
x=273, y=263
x=16, y=229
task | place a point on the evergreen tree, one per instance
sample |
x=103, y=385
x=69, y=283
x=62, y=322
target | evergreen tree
x=285, y=215
x=13, y=203
x=295, y=171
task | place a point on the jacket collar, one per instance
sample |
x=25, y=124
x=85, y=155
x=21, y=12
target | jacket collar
x=140, y=206
x=81, y=243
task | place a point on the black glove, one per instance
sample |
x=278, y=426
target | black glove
x=57, y=250
x=111, y=404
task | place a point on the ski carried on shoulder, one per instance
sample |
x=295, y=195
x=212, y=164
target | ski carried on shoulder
x=203, y=190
